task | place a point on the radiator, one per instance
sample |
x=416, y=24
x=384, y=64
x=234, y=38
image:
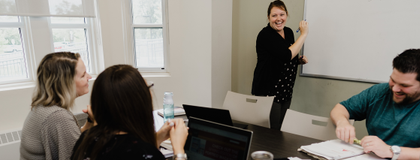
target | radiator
x=9, y=145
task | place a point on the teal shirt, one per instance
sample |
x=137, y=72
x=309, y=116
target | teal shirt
x=393, y=123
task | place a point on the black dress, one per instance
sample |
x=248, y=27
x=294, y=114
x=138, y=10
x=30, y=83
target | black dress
x=275, y=72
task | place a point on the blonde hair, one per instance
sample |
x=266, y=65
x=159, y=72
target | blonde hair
x=55, y=80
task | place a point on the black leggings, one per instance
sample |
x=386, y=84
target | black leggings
x=277, y=113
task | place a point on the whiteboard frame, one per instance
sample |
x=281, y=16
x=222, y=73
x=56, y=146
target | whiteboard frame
x=331, y=77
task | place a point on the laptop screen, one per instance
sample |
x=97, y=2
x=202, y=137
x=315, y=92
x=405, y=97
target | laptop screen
x=214, y=141
x=207, y=113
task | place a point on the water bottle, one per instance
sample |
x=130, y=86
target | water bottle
x=168, y=106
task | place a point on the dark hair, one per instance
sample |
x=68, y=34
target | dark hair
x=277, y=3
x=408, y=62
x=120, y=101
x=55, y=80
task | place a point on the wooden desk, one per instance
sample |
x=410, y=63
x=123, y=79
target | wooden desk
x=280, y=144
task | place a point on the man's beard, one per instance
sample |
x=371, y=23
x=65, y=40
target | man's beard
x=408, y=98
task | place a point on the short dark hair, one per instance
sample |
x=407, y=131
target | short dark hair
x=277, y=3
x=408, y=62
x=120, y=101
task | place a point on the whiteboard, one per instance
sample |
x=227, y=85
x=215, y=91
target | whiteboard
x=358, y=39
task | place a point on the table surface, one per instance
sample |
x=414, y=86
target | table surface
x=280, y=144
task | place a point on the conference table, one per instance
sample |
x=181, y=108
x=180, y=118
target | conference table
x=280, y=144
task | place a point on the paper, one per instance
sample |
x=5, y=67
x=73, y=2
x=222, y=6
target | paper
x=178, y=111
x=336, y=149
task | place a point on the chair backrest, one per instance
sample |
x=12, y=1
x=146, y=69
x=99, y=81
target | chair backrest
x=307, y=125
x=247, y=108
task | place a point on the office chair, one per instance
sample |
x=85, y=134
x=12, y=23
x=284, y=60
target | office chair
x=249, y=109
x=309, y=125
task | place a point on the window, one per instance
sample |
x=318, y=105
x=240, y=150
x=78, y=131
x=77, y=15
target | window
x=12, y=58
x=148, y=29
x=70, y=34
x=26, y=38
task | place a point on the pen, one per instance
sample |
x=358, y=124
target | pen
x=298, y=29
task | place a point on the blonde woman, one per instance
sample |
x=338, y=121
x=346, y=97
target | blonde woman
x=50, y=129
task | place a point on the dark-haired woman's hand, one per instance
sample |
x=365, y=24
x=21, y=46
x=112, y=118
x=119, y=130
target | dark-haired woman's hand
x=178, y=134
x=89, y=123
x=163, y=133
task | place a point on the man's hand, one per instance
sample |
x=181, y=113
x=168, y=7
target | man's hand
x=376, y=145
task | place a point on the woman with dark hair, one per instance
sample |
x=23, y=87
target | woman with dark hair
x=122, y=109
x=50, y=129
x=278, y=59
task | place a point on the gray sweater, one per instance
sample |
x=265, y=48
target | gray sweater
x=48, y=133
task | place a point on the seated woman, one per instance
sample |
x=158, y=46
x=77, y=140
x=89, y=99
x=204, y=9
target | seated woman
x=122, y=108
x=50, y=129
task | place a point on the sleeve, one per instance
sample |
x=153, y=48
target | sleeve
x=358, y=105
x=59, y=133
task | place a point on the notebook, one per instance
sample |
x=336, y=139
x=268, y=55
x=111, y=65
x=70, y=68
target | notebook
x=336, y=149
x=212, y=114
x=209, y=140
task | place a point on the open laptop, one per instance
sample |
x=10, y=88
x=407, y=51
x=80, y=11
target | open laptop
x=209, y=140
x=212, y=114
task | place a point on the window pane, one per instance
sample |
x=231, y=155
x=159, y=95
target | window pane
x=149, y=47
x=67, y=20
x=147, y=11
x=9, y=19
x=12, y=58
x=72, y=40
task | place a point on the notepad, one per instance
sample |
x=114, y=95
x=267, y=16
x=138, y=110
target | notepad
x=336, y=149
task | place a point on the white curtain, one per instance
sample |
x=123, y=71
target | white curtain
x=47, y=8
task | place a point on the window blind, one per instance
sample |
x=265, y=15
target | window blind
x=47, y=8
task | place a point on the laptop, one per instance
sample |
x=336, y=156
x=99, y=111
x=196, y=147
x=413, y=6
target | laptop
x=209, y=140
x=212, y=114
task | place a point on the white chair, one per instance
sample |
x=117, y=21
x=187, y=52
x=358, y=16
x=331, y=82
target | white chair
x=247, y=108
x=307, y=125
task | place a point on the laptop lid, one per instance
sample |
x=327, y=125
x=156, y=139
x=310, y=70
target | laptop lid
x=212, y=114
x=209, y=140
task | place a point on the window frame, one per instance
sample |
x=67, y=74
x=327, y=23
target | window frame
x=22, y=25
x=33, y=55
x=131, y=38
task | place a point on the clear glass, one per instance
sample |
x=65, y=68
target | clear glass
x=12, y=57
x=9, y=19
x=67, y=20
x=72, y=40
x=147, y=11
x=149, y=48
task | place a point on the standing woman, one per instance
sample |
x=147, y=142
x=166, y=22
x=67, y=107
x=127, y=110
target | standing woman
x=50, y=129
x=124, y=127
x=278, y=59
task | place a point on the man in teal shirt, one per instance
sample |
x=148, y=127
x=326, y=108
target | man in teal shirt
x=391, y=110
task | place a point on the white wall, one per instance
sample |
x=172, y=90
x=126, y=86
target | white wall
x=200, y=34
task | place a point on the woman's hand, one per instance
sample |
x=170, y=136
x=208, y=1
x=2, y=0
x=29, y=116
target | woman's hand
x=163, y=133
x=303, y=27
x=303, y=60
x=178, y=134
x=88, y=124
